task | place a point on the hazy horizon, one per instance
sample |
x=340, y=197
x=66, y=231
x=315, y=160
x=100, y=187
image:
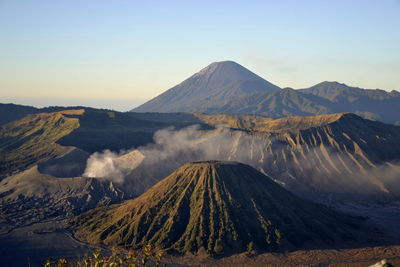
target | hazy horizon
x=121, y=105
x=111, y=53
x=117, y=104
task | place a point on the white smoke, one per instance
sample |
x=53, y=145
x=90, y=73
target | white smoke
x=172, y=148
x=344, y=173
x=102, y=165
x=382, y=263
x=311, y=170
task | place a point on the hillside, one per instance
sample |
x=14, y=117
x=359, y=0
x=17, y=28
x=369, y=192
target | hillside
x=218, y=208
x=372, y=104
x=280, y=103
x=31, y=197
x=266, y=124
x=33, y=139
x=341, y=153
x=337, y=92
x=13, y=112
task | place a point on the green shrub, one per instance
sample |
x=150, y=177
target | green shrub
x=146, y=258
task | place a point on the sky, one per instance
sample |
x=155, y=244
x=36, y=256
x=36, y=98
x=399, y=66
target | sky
x=118, y=54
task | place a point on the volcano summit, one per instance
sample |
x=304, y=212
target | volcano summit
x=215, y=83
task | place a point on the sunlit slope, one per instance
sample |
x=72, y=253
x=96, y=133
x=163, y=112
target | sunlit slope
x=262, y=123
x=328, y=153
x=33, y=139
x=12, y=112
x=343, y=131
x=216, y=207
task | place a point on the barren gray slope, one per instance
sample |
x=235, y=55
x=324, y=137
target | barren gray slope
x=216, y=82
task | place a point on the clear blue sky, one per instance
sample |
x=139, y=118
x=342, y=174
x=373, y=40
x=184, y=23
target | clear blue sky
x=118, y=54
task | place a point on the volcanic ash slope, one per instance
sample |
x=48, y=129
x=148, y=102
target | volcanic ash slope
x=217, y=208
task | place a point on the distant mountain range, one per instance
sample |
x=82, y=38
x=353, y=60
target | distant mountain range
x=227, y=87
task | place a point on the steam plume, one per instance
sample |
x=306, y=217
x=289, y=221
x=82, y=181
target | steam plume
x=299, y=168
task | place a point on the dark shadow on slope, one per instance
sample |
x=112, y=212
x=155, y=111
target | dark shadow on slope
x=117, y=131
x=72, y=164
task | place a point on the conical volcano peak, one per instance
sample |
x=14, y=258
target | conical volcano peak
x=220, y=74
x=199, y=172
x=229, y=69
x=231, y=173
x=217, y=207
x=217, y=83
x=225, y=63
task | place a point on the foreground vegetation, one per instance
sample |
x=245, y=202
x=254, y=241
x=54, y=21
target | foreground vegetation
x=149, y=256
